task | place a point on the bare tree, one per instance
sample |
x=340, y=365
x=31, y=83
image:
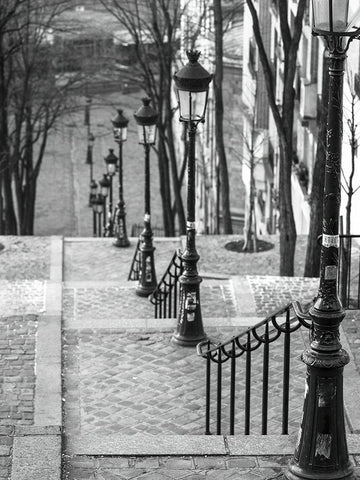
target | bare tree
x=349, y=188
x=31, y=101
x=283, y=118
x=153, y=26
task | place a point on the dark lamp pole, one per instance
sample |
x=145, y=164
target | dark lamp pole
x=89, y=161
x=120, y=136
x=104, y=191
x=321, y=451
x=146, y=118
x=192, y=87
x=111, y=161
x=93, y=192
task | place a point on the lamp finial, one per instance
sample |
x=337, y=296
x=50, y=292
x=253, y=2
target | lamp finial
x=193, y=55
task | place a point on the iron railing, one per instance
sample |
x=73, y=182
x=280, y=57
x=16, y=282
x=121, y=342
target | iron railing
x=165, y=296
x=349, y=271
x=134, y=273
x=234, y=393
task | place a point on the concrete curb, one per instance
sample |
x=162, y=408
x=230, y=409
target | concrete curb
x=36, y=451
x=152, y=445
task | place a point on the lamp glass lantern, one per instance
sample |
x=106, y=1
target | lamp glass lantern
x=91, y=140
x=111, y=161
x=120, y=127
x=93, y=188
x=192, y=89
x=336, y=17
x=146, y=118
x=104, y=185
x=98, y=203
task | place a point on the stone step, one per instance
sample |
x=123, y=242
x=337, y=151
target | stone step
x=151, y=445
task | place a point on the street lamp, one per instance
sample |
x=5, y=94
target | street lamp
x=104, y=192
x=146, y=118
x=192, y=87
x=120, y=135
x=98, y=209
x=321, y=451
x=89, y=161
x=111, y=162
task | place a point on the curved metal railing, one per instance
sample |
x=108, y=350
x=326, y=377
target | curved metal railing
x=165, y=296
x=262, y=335
x=134, y=273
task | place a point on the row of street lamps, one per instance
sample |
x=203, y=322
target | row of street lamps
x=107, y=220
x=321, y=451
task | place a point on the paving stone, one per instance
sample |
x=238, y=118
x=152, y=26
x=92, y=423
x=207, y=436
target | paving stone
x=17, y=366
x=25, y=258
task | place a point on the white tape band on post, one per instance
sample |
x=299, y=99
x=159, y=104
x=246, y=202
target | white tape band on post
x=330, y=241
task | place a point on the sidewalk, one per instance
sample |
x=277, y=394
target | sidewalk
x=131, y=405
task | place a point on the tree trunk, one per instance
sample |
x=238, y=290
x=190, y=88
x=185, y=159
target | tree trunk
x=250, y=227
x=313, y=250
x=219, y=117
x=165, y=192
x=286, y=218
x=176, y=182
x=283, y=120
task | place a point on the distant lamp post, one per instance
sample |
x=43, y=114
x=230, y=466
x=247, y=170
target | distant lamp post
x=98, y=210
x=321, y=451
x=120, y=136
x=104, y=191
x=111, y=161
x=89, y=161
x=192, y=87
x=146, y=118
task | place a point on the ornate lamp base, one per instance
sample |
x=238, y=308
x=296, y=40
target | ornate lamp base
x=189, y=331
x=147, y=281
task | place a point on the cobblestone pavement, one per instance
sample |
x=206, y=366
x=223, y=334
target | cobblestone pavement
x=6, y=443
x=215, y=258
x=140, y=383
x=25, y=258
x=17, y=366
x=113, y=371
x=271, y=293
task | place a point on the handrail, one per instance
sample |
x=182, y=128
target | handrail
x=262, y=334
x=134, y=273
x=165, y=296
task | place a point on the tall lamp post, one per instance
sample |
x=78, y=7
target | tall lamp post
x=120, y=136
x=321, y=451
x=146, y=118
x=111, y=162
x=192, y=87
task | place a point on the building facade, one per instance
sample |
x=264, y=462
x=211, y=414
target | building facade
x=251, y=135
